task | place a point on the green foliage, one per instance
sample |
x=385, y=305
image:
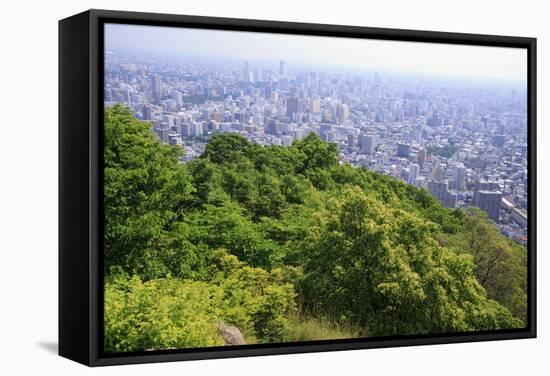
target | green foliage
x=160, y=314
x=315, y=154
x=500, y=264
x=226, y=148
x=174, y=313
x=380, y=268
x=228, y=227
x=144, y=187
x=208, y=183
x=446, y=151
x=287, y=245
x=303, y=328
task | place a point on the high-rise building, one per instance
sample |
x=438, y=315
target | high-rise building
x=342, y=112
x=484, y=185
x=156, y=88
x=367, y=143
x=283, y=84
x=312, y=78
x=246, y=71
x=315, y=105
x=450, y=201
x=421, y=157
x=196, y=129
x=437, y=172
x=282, y=68
x=460, y=177
x=325, y=131
x=268, y=91
x=414, y=169
x=292, y=106
x=164, y=131
x=403, y=150
x=257, y=74
x=178, y=97
x=440, y=190
x=352, y=142
x=147, y=112
x=489, y=202
x=273, y=127
x=184, y=129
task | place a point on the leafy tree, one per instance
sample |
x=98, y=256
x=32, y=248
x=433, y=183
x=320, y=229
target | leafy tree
x=227, y=227
x=226, y=148
x=380, y=268
x=500, y=264
x=208, y=183
x=144, y=187
x=315, y=154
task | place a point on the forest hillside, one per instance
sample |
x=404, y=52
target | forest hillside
x=287, y=244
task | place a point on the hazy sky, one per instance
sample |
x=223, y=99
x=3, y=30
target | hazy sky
x=407, y=57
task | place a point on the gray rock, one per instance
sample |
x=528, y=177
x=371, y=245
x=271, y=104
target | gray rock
x=231, y=335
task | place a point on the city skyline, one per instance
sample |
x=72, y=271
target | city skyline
x=475, y=63
x=464, y=144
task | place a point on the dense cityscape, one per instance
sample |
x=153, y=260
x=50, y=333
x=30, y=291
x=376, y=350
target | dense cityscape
x=466, y=143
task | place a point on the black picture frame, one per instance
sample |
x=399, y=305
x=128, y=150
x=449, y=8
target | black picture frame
x=81, y=184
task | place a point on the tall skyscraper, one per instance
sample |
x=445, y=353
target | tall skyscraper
x=246, y=71
x=489, y=202
x=248, y=74
x=156, y=88
x=414, y=169
x=460, y=177
x=367, y=143
x=282, y=68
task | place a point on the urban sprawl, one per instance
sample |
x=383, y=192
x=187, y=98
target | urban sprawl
x=466, y=143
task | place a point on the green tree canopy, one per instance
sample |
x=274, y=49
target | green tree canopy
x=144, y=189
x=285, y=242
x=381, y=268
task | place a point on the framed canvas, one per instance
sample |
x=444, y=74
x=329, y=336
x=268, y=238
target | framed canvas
x=233, y=187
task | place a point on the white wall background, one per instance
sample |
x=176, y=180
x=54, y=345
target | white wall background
x=28, y=186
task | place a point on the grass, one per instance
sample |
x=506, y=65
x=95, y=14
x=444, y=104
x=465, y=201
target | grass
x=301, y=328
